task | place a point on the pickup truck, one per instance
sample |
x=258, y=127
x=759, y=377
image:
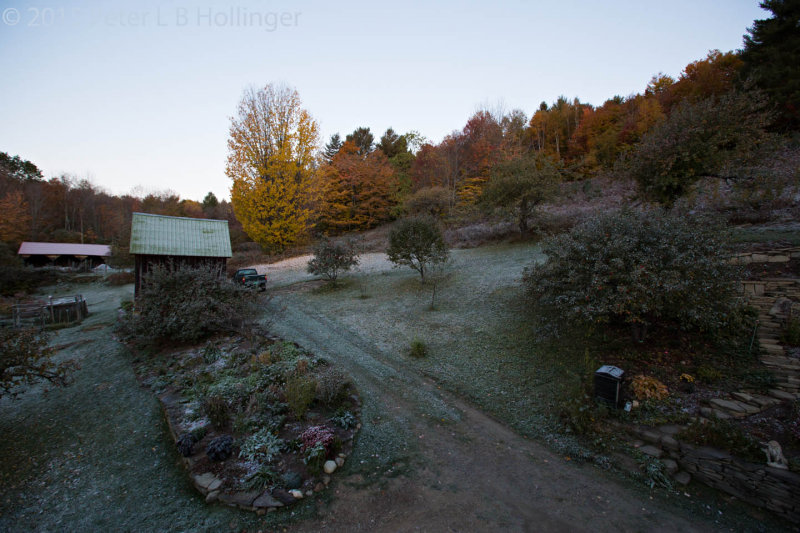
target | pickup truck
x=250, y=278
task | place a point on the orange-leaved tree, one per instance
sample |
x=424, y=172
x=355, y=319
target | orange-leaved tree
x=271, y=160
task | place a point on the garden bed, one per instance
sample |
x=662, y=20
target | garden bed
x=259, y=422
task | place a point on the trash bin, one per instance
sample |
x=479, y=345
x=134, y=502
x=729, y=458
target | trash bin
x=607, y=381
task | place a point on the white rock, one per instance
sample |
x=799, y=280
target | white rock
x=297, y=494
x=329, y=467
x=340, y=462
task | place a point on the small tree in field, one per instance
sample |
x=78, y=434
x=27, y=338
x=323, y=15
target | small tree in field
x=418, y=243
x=521, y=184
x=332, y=258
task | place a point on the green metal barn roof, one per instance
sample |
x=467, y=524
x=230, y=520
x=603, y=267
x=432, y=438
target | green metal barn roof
x=179, y=236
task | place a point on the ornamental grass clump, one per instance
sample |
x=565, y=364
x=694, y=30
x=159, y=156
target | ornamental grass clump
x=645, y=269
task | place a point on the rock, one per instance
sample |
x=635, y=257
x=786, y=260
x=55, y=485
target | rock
x=266, y=500
x=340, y=462
x=326, y=479
x=775, y=456
x=781, y=395
x=669, y=443
x=220, y=448
x=329, y=467
x=319, y=487
x=651, y=436
x=284, y=497
x=212, y=496
x=298, y=494
x=292, y=480
x=682, y=478
x=241, y=499
x=727, y=405
x=742, y=397
x=215, y=485
x=204, y=480
x=670, y=466
x=652, y=451
x=670, y=429
x=309, y=493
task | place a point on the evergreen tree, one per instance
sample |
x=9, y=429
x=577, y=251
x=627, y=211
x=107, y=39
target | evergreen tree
x=332, y=148
x=771, y=58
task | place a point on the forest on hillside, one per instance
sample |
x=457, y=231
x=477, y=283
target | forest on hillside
x=730, y=116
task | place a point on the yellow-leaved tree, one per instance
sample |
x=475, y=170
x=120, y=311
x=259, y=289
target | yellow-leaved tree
x=271, y=160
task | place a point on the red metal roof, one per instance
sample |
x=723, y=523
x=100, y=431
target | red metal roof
x=63, y=248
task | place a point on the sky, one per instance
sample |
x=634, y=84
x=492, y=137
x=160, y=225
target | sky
x=137, y=96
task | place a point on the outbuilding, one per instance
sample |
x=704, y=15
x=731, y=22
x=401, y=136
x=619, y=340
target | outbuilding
x=64, y=254
x=176, y=242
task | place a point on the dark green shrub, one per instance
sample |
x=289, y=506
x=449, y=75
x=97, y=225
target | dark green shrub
x=121, y=278
x=708, y=374
x=300, y=391
x=261, y=447
x=16, y=279
x=791, y=332
x=262, y=479
x=724, y=435
x=331, y=258
x=185, y=305
x=417, y=242
x=418, y=349
x=344, y=419
x=642, y=269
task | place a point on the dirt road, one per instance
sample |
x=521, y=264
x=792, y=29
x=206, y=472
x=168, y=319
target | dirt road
x=461, y=470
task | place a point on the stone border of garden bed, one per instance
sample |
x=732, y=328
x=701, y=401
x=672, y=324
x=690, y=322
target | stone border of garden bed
x=758, y=484
x=260, y=502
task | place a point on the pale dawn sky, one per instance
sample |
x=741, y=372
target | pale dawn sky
x=140, y=93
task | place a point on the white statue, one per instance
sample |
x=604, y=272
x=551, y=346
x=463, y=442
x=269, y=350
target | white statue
x=775, y=456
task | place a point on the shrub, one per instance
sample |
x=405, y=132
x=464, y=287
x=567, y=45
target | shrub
x=331, y=258
x=314, y=457
x=344, y=419
x=121, y=278
x=641, y=269
x=332, y=386
x=429, y=201
x=220, y=448
x=649, y=388
x=300, y=392
x=417, y=243
x=791, y=332
x=261, y=447
x=708, y=374
x=318, y=435
x=25, y=358
x=216, y=409
x=261, y=479
x=15, y=279
x=185, y=305
x=418, y=349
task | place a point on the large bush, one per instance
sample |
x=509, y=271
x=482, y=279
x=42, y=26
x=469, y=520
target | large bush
x=417, y=242
x=638, y=268
x=186, y=305
x=331, y=258
x=25, y=358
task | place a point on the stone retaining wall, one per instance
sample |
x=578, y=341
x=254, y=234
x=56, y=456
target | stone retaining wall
x=758, y=484
x=778, y=255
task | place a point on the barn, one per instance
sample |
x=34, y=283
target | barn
x=177, y=241
x=64, y=254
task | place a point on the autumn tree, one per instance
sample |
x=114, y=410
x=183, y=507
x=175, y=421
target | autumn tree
x=521, y=184
x=271, y=162
x=771, y=58
x=26, y=358
x=358, y=191
x=15, y=220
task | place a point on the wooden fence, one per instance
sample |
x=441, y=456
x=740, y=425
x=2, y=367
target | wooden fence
x=52, y=311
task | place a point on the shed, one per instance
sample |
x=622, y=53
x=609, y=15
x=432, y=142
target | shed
x=63, y=253
x=177, y=241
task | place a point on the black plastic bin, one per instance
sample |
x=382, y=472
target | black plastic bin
x=607, y=383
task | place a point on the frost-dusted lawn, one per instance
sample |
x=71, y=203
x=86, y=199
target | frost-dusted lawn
x=479, y=339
